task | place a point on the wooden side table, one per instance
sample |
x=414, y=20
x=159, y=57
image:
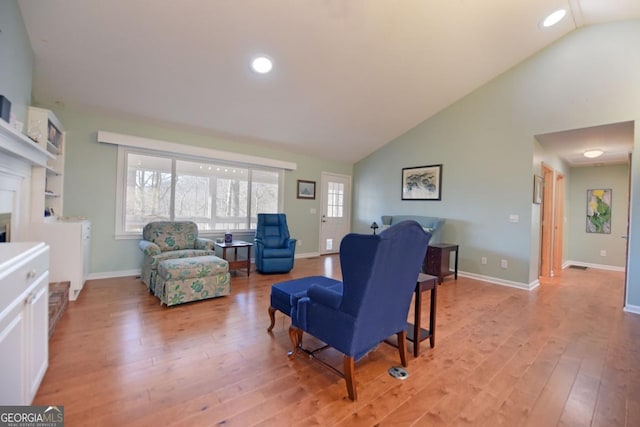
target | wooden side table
x=235, y=263
x=437, y=260
x=415, y=333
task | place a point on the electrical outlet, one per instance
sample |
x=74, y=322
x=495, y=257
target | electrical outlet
x=504, y=263
x=300, y=243
x=603, y=253
x=484, y=260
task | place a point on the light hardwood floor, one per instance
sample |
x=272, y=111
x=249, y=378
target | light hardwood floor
x=564, y=354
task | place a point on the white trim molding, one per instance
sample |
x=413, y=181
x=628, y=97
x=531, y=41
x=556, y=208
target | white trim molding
x=112, y=274
x=190, y=150
x=17, y=145
x=307, y=255
x=518, y=285
x=589, y=265
x=635, y=309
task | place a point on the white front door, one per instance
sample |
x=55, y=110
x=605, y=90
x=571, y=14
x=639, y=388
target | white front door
x=336, y=211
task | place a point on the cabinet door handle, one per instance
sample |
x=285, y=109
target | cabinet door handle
x=29, y=298
x=31, y=274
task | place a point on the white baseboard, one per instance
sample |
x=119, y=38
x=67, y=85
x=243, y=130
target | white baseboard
x=137, y=272
x=502, y=282
x=632, y=308
x=589, y=265
x=111, y=274
x=496, y=281
x=308, y=255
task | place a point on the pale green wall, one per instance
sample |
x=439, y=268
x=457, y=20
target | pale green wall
x=90, y=182
x=585, y=247
x=479, y=189
x=16, y=60
x=486, y=143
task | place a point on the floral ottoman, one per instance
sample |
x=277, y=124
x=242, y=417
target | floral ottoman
x=191, y=279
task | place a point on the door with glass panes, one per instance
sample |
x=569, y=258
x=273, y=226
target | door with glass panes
x=336, y=209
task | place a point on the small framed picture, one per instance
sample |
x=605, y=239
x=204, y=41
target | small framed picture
x=306, y=189
x=54, y=135
x=422, y=183
x=537, y=189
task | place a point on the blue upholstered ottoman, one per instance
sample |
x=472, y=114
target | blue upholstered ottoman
x=284, y=293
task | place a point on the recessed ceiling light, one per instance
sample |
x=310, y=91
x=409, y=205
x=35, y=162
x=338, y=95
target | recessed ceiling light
x=261, y=64
x=554, y=18
x=592, y=154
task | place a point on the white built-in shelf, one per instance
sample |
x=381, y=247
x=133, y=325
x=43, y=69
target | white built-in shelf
x=47, y=182
x=52, y=148
x=52, y=172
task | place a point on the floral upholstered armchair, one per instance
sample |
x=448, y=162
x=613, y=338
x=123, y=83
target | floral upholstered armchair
x=163, y=240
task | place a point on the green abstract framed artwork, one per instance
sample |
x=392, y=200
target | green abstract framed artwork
x=599, y=211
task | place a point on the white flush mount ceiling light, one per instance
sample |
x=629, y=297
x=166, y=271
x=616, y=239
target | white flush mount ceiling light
x=592, y=154
x=554, y=18
x=261, y=64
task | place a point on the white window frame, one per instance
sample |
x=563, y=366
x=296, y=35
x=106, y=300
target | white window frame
x=127, y=144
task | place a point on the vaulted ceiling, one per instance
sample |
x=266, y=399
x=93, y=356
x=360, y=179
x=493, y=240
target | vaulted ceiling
x=348, y=76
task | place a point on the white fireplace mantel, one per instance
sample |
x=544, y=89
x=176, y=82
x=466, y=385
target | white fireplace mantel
x=18, y=157
x=17, y=145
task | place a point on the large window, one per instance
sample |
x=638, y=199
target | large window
x=214, y=195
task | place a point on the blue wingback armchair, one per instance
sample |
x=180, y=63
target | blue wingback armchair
x=274, y=247
x=379, y=275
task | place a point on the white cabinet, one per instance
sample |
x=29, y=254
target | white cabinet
x=70, y=242
x=24, y=320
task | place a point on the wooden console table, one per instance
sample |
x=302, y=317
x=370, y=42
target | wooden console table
x=235, y=263
x=437, y=260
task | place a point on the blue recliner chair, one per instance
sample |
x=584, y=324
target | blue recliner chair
x=275, y=249
x=379, y=275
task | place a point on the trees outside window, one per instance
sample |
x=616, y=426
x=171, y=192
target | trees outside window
x=216, y=196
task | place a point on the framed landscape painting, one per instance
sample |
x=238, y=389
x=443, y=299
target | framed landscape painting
x=422, y=183
x=306, y=189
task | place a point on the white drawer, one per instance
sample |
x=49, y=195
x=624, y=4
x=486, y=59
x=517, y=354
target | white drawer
x=18, y=277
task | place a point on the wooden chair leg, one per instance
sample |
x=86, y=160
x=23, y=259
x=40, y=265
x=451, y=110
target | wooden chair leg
x=295, y=335
x=402, y=347
x=349, y=377
x=272, y=316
